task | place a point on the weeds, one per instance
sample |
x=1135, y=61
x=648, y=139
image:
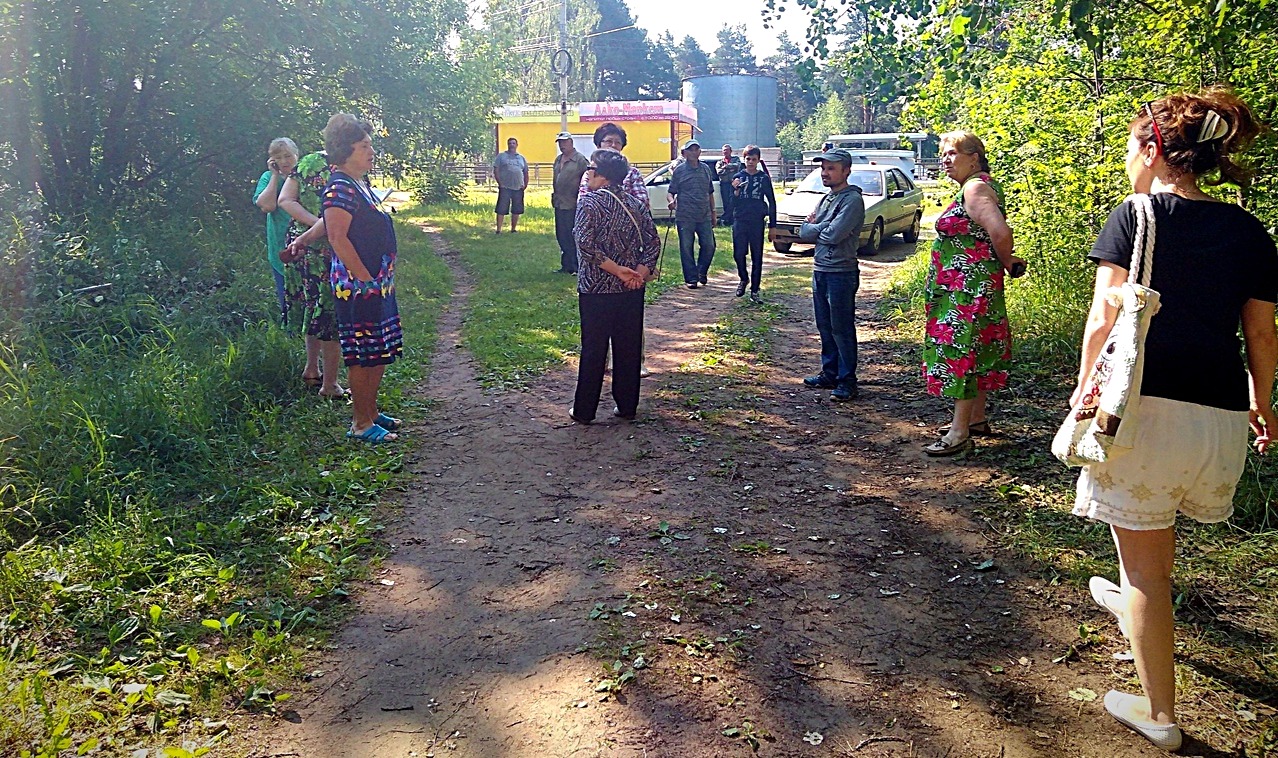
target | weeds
x=179, y=519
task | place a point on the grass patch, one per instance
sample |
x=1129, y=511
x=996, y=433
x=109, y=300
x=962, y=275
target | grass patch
x=523, y=317
x=180, y=517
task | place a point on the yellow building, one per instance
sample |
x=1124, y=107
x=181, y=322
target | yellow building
x=654, y=128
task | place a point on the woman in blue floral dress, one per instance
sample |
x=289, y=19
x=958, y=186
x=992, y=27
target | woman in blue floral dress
x=967, y=347
x=363, y=274
x=306, y=279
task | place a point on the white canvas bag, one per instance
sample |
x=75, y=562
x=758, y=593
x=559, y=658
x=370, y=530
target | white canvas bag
x=1103, y=423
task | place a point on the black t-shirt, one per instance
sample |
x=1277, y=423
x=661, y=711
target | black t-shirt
x=1209, y=259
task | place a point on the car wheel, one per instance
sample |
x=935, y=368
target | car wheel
x=912, y=234
x=782, y=247
x=871, y=247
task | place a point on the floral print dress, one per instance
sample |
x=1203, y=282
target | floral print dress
x=306, y=280
x=367, y=314
x=967, y=345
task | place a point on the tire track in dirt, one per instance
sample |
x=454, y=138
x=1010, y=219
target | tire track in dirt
x=819, y=577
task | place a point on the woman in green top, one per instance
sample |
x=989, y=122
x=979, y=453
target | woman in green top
x=306, y=280
x=281, y=159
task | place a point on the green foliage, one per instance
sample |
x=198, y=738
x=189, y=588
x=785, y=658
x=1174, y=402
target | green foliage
x=178, y=516
x=437, y=187
x=1053, y=106
x=796, y=88
x=167, y=103
x=830, y=118
x=690, y=59
x=523, y=318
x=735, y=54
x=665, y=83
x=525, y=37
x=623, y=56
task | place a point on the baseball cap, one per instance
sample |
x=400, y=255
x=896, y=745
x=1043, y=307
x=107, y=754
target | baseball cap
x=688, y=144
x=835, y=155
x=563, y=135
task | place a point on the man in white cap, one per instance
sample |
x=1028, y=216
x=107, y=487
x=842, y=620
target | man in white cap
x=568, y=170
x=692, y=198
x=835, y=228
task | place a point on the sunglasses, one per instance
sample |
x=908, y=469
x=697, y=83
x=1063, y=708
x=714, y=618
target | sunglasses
x=1153, y=122
x=592, y=168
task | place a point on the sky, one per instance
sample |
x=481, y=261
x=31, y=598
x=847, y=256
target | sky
x=704, y=18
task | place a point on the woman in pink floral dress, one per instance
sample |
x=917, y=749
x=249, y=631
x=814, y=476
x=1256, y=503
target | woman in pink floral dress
x=967, y=347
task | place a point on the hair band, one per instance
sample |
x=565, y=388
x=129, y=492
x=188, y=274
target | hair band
x=1214, y=127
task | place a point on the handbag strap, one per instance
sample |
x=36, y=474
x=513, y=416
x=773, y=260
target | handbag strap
x=1142, y=270
x=633, y=220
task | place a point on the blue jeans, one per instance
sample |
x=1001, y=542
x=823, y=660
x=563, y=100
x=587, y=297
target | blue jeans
x=834, y=304
x=695, y=270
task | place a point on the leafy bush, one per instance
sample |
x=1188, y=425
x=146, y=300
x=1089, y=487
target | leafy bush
x=438, y=186
x=175, y=512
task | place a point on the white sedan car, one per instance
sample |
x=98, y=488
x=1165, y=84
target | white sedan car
x=893, y=205
x=658, y=182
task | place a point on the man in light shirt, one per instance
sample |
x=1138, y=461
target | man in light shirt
x=511, y=171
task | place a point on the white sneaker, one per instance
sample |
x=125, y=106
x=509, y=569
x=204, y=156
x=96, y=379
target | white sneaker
x=1105, y=592
x=644, y=373
x=1124, y=707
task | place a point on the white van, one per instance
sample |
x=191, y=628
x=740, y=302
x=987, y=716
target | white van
x=902, y=159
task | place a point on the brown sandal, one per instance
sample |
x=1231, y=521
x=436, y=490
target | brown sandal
x=976, y=429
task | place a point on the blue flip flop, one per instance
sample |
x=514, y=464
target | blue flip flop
x=374, y=434
x=387, y=422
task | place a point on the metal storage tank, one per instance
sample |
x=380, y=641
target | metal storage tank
x=733, y=109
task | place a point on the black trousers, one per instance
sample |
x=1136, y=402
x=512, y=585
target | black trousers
x=564, y=219
x=616, y=319
x=729, y=203
x=747, y=234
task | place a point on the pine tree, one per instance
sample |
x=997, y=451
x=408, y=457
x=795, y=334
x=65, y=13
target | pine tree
x=735, y=54
x=690, y=59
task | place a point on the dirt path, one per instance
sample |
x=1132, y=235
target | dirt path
x=765, y=566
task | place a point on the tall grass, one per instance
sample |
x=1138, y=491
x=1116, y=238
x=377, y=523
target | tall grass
x=179, y=515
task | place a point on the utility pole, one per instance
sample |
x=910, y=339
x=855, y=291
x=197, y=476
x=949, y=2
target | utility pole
x=564, y=59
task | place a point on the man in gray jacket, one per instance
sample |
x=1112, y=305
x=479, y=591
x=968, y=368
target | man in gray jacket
x=835, y=227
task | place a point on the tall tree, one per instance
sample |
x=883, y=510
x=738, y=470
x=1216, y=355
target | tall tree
x=663, y=80
x=690, y=59
x=134, y=100
x=735, y=54
x=620, y=51
x=797, y=90
x=830, y=117
x=527, y=34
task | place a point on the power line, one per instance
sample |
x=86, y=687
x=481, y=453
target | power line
x=609, y=31
x=535, y=5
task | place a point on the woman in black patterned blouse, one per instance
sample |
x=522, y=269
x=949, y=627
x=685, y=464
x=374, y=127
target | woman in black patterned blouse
x=617, y=247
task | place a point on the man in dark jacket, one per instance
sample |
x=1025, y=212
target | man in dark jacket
x=835, y=227
x=566, y=176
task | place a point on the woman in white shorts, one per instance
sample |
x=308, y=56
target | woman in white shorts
x=1215, y=266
